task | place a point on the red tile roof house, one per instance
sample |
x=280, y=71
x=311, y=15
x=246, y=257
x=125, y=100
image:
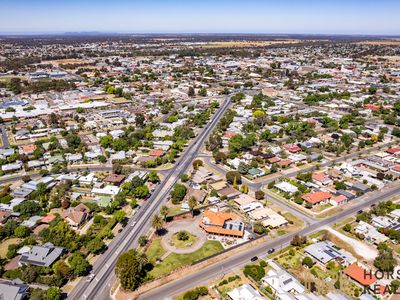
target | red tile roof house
x=284, y=163
x=292, y=148
x=393, y=151
x=321, y=178
x=47, y=219
x=372, y=106
x=339, y=200
x=76, y=216
x=156, y=153
x=27, y=149
x=363, y=277
x=317, y=197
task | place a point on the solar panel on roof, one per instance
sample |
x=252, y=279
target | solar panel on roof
x=287, y=281
x=329, y=253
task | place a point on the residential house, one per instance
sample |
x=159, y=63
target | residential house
x=4, y=215
x=245, y=292
x=221, y=223
x=114, y=179
x=321, y=179
x=27, y=149
x=360, y=275
x=42, y=255
x=76, y=216
x=286, y=187
x=370, y=233
x=269, y=217
x=228, y=192
x=251, y=206
x=283, y=284
x=326, y=251
x=317, y=197
x=14, y=290
x=338, y=200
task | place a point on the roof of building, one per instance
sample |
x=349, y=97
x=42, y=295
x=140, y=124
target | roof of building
x=317, y=197
x=360, y=275
x=42, y=255
x=114, y=178
x=156, y=152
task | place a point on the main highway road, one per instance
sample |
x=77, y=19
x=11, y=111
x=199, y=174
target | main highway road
x=139, y=224
x=202, y=276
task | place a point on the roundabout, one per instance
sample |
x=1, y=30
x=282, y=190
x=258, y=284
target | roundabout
x=183, y=237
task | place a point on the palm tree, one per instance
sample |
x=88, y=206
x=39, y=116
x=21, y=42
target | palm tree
x=157, y=223
x=164, y=212
x=192, y=204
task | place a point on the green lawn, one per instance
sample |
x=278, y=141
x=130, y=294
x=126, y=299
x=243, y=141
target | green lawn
x=175, y=261
x=155, y=251
x=183, y=243
x=172, y=211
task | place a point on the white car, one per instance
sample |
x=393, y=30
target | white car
x=90, y=277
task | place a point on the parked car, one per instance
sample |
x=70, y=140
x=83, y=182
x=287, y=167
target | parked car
x=254, y=258
x=270, y=251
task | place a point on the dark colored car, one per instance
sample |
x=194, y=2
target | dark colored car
x=254, y=258
x=360, y=211
x=270, y=251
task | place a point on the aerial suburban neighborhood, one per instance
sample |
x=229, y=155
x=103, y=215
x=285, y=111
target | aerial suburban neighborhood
x=204, y=166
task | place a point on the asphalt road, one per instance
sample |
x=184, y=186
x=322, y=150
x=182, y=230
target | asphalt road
x=139, y=224
x=202, y=276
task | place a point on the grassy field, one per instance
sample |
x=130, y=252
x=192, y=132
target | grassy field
x=4, y=246
x=172, y=211
x=175, y=261
x=223, y=289
x=155, y=251
x=289, y=261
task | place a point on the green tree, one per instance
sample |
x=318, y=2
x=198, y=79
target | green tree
x=164, y=212
x=95, y=245
x=231, y=175
x=385, y=261
x=260, y=195
x=184, y=177
x=102, y=159
x=192, y=204
x=22, y=231
x=142, y=240
x=78, y=264
x=141, y=192
x=202, y=92
x=28, y=208
x=62, y=270
x=307, y=261
x=130, y=269
x=120, y=216
x=243, y=168
x=347, y=227
x=157, y=223
x=178, y=193
x=153, y=177
x=258, y=227
x=53, y=293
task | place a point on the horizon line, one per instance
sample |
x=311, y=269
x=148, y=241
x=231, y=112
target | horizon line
x=105, y=32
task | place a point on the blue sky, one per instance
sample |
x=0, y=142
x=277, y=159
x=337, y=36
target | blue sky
x=205, y=16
